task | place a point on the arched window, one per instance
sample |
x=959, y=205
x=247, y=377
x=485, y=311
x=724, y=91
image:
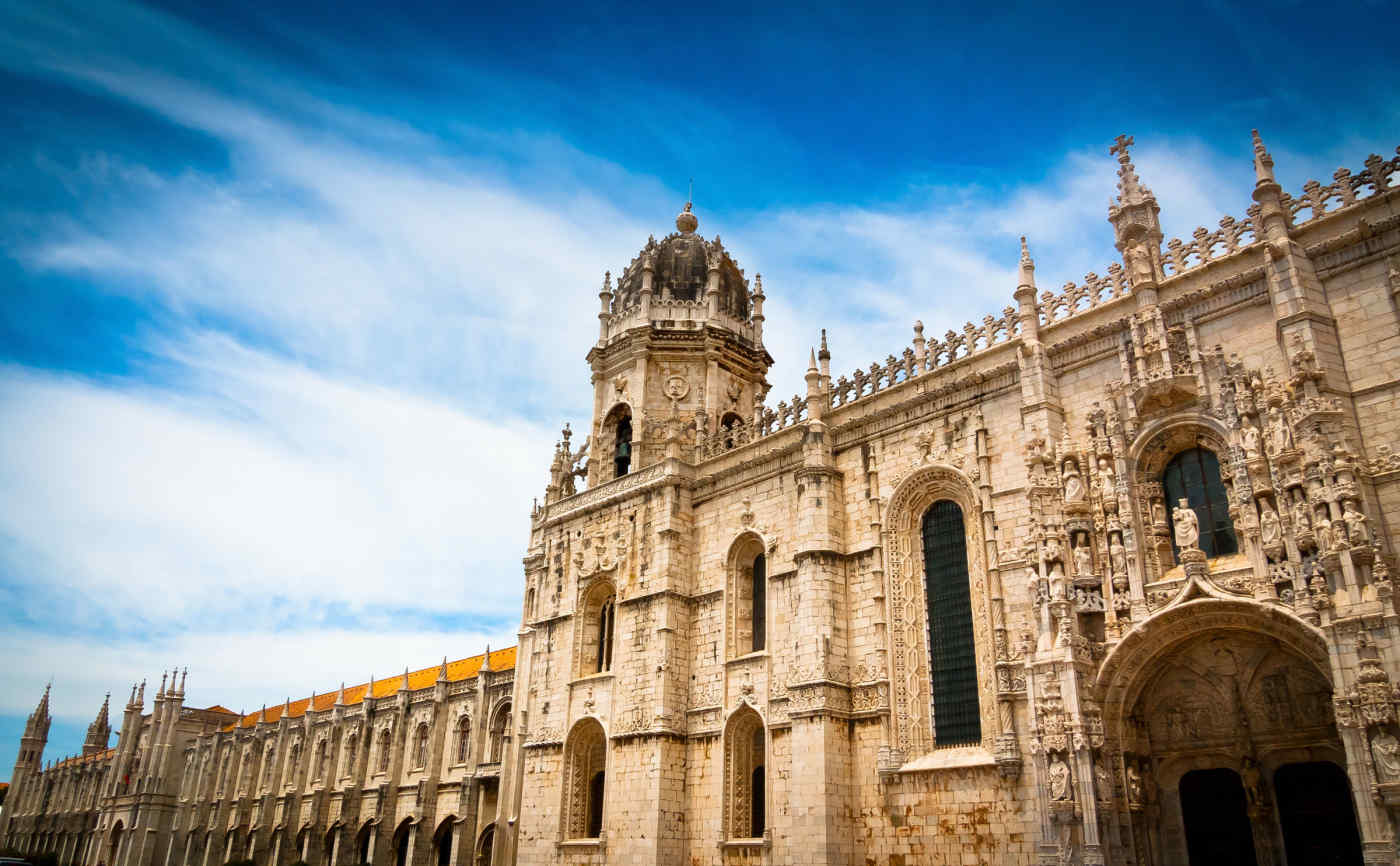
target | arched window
x=605, y=634
x=1194, y=475
x=347, y=761
x=748, y=597
x=464, y=738
x=500, y=727
x=622, y=450
x=293, y=757
x=745, y=779
x=267, y=766
x=420, y=747
x=594, y=652
x=585, y=780
x=323, y=750
x=385, y=744
x=955, y=712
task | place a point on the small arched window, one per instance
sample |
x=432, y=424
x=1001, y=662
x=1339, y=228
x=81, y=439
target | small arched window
x=585, y=780
x=293, y=758
x=1194, y=475
x=745, y=782
x=420, y=747
x=952, y=656
x=593, y=653
x=464, y=738
x=385, y=744
x=500, y=727
x=323, y=753
x=748, y=597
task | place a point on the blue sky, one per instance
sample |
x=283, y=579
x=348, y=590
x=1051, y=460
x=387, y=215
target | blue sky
x=296, y=300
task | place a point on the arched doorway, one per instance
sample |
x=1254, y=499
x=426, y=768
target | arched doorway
x=401, y=843
x=442, y=841
x=363, y=844
x=1213, y=811
x=485, y=844
x=115, y=845
x=1316, y=815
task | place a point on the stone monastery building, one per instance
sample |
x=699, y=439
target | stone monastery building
x=1103, y=578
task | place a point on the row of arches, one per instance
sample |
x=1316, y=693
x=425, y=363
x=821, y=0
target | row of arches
x=331, y=850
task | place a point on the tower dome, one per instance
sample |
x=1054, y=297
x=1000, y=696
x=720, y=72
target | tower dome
x=680, y=265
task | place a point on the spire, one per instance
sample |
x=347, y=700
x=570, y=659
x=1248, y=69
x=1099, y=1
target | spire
x=1027, y=265
x=1263, y=163
x=340, y=695
x=404, y=685
x=37, y=726
x=160, y=695
x=811, y=360
x=486, y=659
x=141, y=695
x=1130, y=188
x=99, y=733
x=442, y=671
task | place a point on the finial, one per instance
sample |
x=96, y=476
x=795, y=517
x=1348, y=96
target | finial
x=1130, y=188
x=825, y=353
x=758, y=285
x=1025, y=252
x=340, y=695
x=161, y=693
x=686, y=222
x=607, y=283
x=1263, y=163
x=918, y=328
x=486, y=659
x=812, y=360
x=404, y=686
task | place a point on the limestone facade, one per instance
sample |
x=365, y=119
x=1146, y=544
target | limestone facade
x=1104, y=578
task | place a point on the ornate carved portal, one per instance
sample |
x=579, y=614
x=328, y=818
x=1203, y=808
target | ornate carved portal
x=909, y=651
x=1221, y=688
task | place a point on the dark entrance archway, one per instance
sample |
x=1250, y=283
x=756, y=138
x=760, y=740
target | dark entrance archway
x=1316, y=814
x=1213, y=810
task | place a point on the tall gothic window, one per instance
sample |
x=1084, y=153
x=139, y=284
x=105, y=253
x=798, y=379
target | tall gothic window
x=420, y=747
x=748, y=597
x=500, y=725
x=348, y=760
x=1194, y=475
x=585, y=780
x=605, y=634
x=385, y=744
x=745, y=779
x=323, y=751
x=952, y=660
x=464, y=738
x=293, y=758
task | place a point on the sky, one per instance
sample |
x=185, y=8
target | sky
x=295, y=300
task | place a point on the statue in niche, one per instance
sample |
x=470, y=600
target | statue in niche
x=1270, y=531
x=1106, y=479
x=1059, y=779
x=1324, y=535
x=1188, y=529
x=1134, y=784
x=1280, y=438
x=1083, y=558
x=1104, y=779
x=1302, y=520
x=1159, y=512
x=1053, y=553
x=1118, y=555
x=1385, y=749
x=1074, y=483
x=1249, y=438
x=1033, y=586
x=1356, y=524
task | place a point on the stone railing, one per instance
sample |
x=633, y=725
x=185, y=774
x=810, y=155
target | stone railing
x=1233, y=235
x=1346, y=188
x=1074, y=298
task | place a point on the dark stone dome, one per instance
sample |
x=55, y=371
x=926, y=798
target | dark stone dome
x=680, y=267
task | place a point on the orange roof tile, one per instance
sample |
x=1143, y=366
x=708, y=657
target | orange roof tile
x=501, y=660
x=85, y=759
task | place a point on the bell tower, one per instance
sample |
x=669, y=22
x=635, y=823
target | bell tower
x=680, y=349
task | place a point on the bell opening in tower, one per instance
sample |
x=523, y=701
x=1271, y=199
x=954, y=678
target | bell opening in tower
x=622, y=456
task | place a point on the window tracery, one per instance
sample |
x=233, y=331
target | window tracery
x=585, y=780
x=745, y=777
x=464, y=738
x=748, y=596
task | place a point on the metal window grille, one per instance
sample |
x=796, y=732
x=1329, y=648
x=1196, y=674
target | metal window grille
x=1194, y=475
x=957, y=717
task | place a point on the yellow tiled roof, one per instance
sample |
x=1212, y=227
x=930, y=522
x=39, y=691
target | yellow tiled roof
x=501, y=660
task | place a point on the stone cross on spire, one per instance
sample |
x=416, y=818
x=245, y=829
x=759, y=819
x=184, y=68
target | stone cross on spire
x=1130, y=188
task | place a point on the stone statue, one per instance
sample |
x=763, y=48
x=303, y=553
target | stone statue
x=1339, y=534
x=1270, y=532
x=1118, y=556
x=1280, y=437
x=1324, y=535
x=1032, y=586
x=1134, y=784
x=1106, y=479
x=1386, y=751
x=1249, y=438
x=1059, y=779
x=1252, y=780
x=1188, y=529
x=1356, y=524
x=1053, y=552
x=1074, y=483
x=1302, y=520
x=1083, y=559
